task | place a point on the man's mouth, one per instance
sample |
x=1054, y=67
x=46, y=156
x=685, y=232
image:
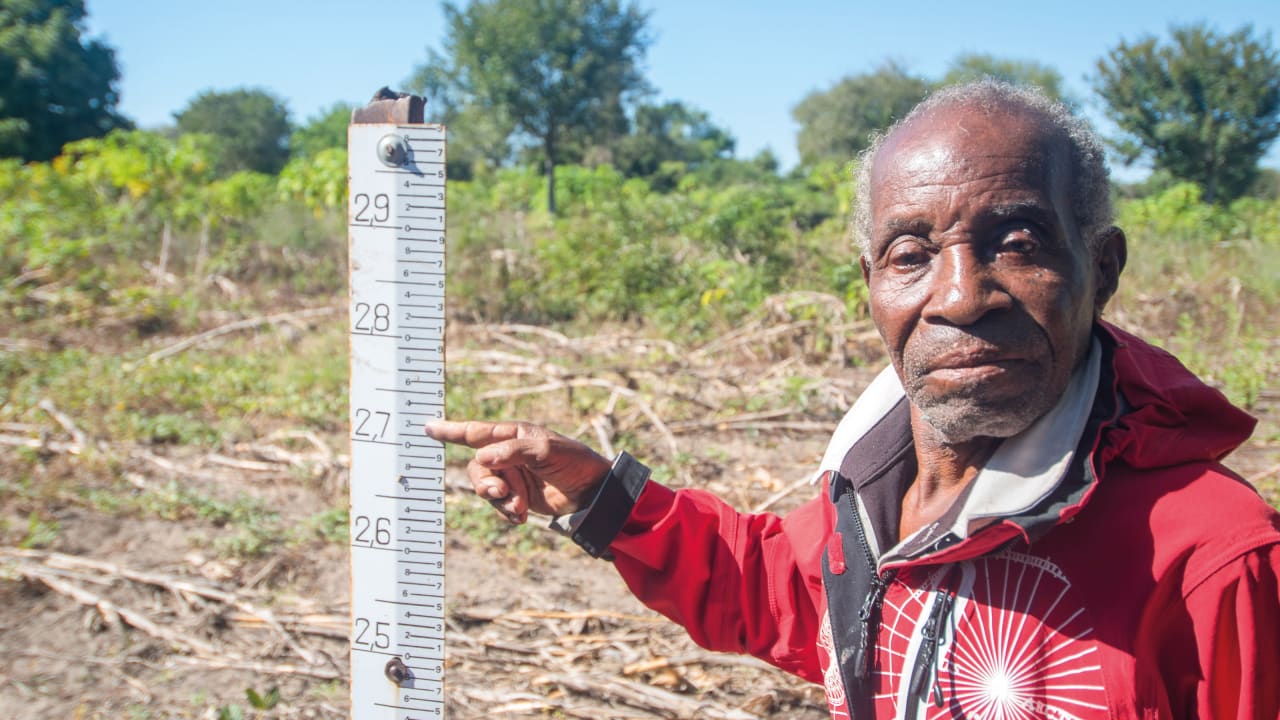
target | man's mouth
x=969, y=368
x=957, y=360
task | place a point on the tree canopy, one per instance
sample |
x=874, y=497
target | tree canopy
x=251, y=125
x=670, y=133
x=479, y=136
x=326, y=130
x=55, y=86
x=1203, y=107
x=561, y=72
x=836, y=124
x=968, y=67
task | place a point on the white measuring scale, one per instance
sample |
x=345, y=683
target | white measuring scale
x=396, y=220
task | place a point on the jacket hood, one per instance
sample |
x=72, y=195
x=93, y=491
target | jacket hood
x=1168, y=415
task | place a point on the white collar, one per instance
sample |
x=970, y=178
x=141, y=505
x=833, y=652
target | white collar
x=1021, y=472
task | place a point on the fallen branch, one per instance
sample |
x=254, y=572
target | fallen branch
x=321, y=625
x=238, y=326
x=663, y=702
x=16, y=345
x=249, y=465
x=222, y=663
x=166, y=464
x=112, y=613
x=763, y=505
x=489, y=615
x=42, y=444
x=326, y=453
x=587, y=615
x=77, y=435
x=604, y=434
x=502, y=703
x=792, y=425
x=718, y=423
x=1257, y=479
x=630, y=394
x=172, y=584
x=271, y=454
x=694, y=659
x=546, y=333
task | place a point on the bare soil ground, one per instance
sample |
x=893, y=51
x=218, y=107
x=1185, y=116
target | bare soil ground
x=136, y=615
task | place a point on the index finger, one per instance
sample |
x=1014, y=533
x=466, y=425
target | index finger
x=472, y=433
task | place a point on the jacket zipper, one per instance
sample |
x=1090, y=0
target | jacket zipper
x=926, y=664
x=872, y=604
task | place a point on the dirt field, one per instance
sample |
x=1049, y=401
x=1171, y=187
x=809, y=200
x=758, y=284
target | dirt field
x=132, y=611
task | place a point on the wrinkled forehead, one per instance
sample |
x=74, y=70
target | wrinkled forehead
x=966, y=142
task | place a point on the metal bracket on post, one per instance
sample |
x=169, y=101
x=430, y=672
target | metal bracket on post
x=388, y=106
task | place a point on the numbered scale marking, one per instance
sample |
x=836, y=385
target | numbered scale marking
x=397, y=228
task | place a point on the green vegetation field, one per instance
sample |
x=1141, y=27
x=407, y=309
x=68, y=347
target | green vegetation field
x=124, y=244
x=132, y=238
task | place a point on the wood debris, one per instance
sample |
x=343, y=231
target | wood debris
x=576, y=662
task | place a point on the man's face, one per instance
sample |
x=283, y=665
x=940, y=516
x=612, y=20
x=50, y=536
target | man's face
x=980, y=283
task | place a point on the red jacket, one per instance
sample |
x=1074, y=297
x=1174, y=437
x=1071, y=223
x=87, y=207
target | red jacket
x=1142, y=584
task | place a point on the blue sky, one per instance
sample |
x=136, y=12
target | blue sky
x=747, y=63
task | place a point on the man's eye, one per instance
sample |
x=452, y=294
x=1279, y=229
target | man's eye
x=908, y=253
x=1021, y=242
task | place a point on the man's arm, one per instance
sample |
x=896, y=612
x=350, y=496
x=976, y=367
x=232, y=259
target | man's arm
x=1235, y=614
x=737, y=582
x=1215, y=643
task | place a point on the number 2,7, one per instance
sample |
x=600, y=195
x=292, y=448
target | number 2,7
x=369, y=424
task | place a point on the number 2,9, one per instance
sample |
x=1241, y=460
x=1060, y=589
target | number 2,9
x=367, y=210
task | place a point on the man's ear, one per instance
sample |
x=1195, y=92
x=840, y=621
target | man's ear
x=1109, y=261
x=866, y=268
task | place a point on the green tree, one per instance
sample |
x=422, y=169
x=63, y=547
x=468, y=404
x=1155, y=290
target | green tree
x=479, y=137
x=322, y=132
x=55, y=86
x=561, y=71
x=836, y=124
x=670, y=134
x=1203, y=107
x=968, y=67
x=251, y=125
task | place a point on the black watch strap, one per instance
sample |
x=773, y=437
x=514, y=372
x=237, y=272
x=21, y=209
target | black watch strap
x=594, y=527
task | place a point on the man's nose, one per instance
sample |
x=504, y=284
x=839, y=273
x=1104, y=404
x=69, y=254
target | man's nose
x=964, y=288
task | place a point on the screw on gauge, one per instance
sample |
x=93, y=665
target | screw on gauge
x=393, y=151
x=396, y=671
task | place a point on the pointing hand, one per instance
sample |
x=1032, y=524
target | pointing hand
x=520, y=467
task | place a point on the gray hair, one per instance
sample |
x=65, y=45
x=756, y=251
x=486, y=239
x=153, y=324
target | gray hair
x=1090, y=191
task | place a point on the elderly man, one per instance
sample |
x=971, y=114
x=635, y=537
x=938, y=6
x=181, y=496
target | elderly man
x=1024, y=517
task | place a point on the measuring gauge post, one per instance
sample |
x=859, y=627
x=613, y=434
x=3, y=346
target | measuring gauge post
x=397, y=227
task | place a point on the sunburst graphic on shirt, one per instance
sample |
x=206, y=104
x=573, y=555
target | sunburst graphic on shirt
x=1017, y=645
